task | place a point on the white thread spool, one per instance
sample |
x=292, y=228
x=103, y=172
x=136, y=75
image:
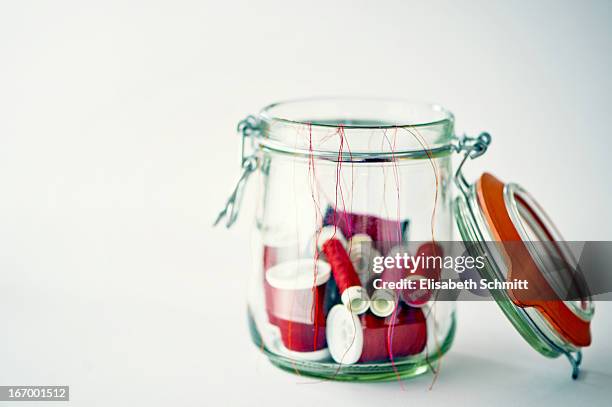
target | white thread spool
x=362, y=254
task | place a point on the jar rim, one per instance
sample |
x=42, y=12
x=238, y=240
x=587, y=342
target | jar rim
x=443, y=115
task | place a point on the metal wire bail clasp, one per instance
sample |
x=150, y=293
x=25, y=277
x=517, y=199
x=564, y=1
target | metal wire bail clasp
x=249, y=129
x=473, y=147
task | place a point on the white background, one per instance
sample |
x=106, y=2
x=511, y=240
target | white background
x=117, y=148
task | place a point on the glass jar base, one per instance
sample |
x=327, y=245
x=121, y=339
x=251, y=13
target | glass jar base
x=364, y=373
x=403, y=368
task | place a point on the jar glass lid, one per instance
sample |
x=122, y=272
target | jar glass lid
x=503, y=223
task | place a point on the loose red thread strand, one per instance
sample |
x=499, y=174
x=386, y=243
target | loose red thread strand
x=339, y=190
x=314, y=193
x=384, y=171
x=421, y=140
x=352, y=190
x=397, y=187
x=340, y=158
x=397, y=184
x=396, y=178
x=391, y=328
x=425, y=147
x=390, y=331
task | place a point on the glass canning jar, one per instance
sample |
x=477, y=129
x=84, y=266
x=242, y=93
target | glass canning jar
x=340, y=183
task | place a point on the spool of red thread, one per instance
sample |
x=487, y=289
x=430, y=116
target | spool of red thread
x=352, y=294
x=368, y=338
x=425, y=270
x=295, y=307
x=277, y=249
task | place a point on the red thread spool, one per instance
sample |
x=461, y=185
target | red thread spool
x=352, y=293
x=277, y=249
x=368, y=338
x=425, y=270
x=295, y=307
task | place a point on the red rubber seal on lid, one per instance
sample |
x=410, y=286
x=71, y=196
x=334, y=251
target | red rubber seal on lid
x=521, y=265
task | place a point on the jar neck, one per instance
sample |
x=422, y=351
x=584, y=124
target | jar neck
x=362, y=130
